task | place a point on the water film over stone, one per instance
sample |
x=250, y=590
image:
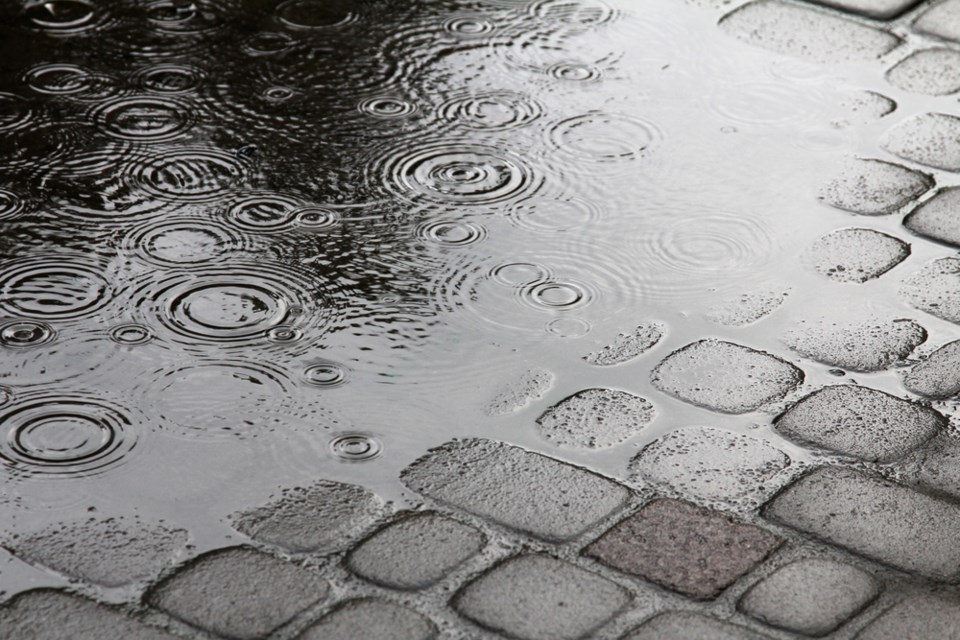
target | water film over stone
x=479, y=319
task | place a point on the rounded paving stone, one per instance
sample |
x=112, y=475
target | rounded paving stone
x=938, y=376
x=934, y=72
x=596, y=418
x=942, y=20
x=938, y=218
x=627, y=346
x=855, y=255
x=689, y=625
x=934, y=289
x=371, y=618
x=873, y=187
x=878, y=9
x=932, y=139
x=855, y=345
x=918, y=616
x=518, y=394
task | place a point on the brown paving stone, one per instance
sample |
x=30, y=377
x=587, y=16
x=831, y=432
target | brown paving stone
x=695, y=551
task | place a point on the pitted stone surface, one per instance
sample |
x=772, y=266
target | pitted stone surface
x=876, y=518
x=811, y=597
x=596, y=418
x=864, y=107
x=938, y=218
x=725, y=377
x=856, y=255
x=627, y=346
x=873, y=187
x=861, y=422
x=695, y=551
x=932, y=139
x=416, y=551
x=933, y=72
x=748, y=307
x=109, y=552
x=516, y=488
x=371, y=618
x=934, y=289
x=537, y=597
x=857, y=346
x=708, y=463
x=810, y=33
x=321, y=517
x=688, y=625
x=941, y=20
x=46, y=614
x=939, y=375
x=879, y=9
x=935, y=466
x=916, y=617
x=519, y=394
x=238, y=592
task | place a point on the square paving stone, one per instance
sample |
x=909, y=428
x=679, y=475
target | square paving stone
x=725, y=377
x=416, y=551
x=47, y=614
x=526, y=491
x=873, y=187
x=596, y=418
x=371, y=618
x=238, y=592
x=938, y=218
x=688, y=625
x=934, y=72
x=856, y=255
x=938, y=376
x=876, y=518
x=941, y=20
x=861, y=422
x=695, y=551
x=920, y=617
x=932, y=139
x=878, y=9
x=811, y=597
x=537, y=597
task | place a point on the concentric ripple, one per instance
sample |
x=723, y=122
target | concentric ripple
x=315, y=14
x=575, y=71
x=469, y=26
x=59, y=79
x=178, y=17
x=55, y=288
x=131, y=333
x=263, y=212
x=387, y=107
x=143, y=118
x=169, y=78
x=15, y=112
x=10, y=203
x=599, y=137
x=355, y=447
x=315, y=218
x=581, y=13
x=185, y=241
x=542, y=213
x=19, y=334
x=62, y=16
x=454, y=233
x=196, y=175
x=494, y=111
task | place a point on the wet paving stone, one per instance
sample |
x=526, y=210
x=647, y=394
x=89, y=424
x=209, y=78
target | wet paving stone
x=861, y=422
x=863, y=107
x=46, y=614
x=238, y=593
x=537, y=597
x=937, y=218
x=371, y=618
x=627, y=346
x=856, y=255
x=856, y=346
x=874, y=187
x=416, y=551
x=811, y=596
x=934, y=72
x=876, y=518
x=519, y=489
x=935, y=466
x=694, y=551
x=938, y=376
x=942, y=20
x=596, y=418
x=321, y=517
x=748, y=307
x=521, y=393
x=807, y=32
x=933, y=289
x=877, y=9
x=708, y=463
x=918, y=616
x=932, y=139
x=725, y=377
x=674, y=625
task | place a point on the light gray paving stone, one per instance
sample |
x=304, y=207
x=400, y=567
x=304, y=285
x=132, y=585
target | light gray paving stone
x=708, y=463
x=810, y=33
x=934, y=289
x=942, y=20
x=627, y=346
x=935, y=466
x=938, y=376
x=932, y=139
x=916, y=617
x=518, y=394
x=874, y=187
x=876, y=518
x=537, y=597
x=238, y=593
x=748, y=307
x=877, y=9
x=688, y=549
x=416, y=551
x=855, y=255
x=812, y=597
x=321, y=517
x=938, y=218
x=596, y=418
x=46, y=614
x=864, y=107
x=856, y=345
x=859, y=421
x=689, y=625
x=374, y=619
x=526, y=491
x=934, y=72
x=725, y=377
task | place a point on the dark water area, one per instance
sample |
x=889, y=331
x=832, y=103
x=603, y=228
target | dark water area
x=248, y=245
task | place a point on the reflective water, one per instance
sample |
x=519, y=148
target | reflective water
x=249, y=244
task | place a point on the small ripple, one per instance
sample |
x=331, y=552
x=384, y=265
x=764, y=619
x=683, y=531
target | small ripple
x=263, y=212
x=543, y=213
x=268, y=43
x=315, y=218
x=20, y=334
x=54, y=288
x=10, y=204
x=196, y=175
x=604, y=138
x=63, y=16
x=183, y=18
x=575, y=71
x=284, y=334
x=131, y=333
x=168, y=78
x=315, y=14
x=35, y=354
x=387, y=107
x=143, y=118
x=15, y=112
x=324, y=374
x=569, y=327
x=185, y=241
x=492, y=111
x=355, y=447
x=557, y=295
x=59, y=79
x=577, y=13
x=469, y=26
x=452, y=233
x=766, y=103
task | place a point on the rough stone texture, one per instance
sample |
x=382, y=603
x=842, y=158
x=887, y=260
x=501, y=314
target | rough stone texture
x=932, y=139
x=709, y=463
x=861, y=422
x=864, y=107
x=748, y=307
x=527, y=389
x=856, y=255
x=238, y=592
x=878, y=9
x=811, y=597
x=873, y=187
x=371, y=618
x=938, y=218
x=934, y=289
x=857, y=346
x=46, y=614
x=416, y=551
x=809, y=33
x=109, y=552
x=516, y=488
x=876, y=518
x=916, y=617
x=941, y=20
x=321, y=517
x=688, y=625
x=627, y=346
x=939, y=375
x=934, y=72
x=536, y=597
x=596, y=418
x=695, y=551
x=935, y=466
x=725, y=377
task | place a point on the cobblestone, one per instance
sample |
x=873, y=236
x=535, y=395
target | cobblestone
x=627, y=346
x=371, y=618
x=932, y=139
x=933, y=289
x=935, y=466
x=916, y=617
x=857, y=346
x=938, y=376
x=878, y=9
x=856, y=255
x=874, y=187
x=688, y=625
x=596, y=418
x=937, y=218
x=942, y=20
x=934, y=72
